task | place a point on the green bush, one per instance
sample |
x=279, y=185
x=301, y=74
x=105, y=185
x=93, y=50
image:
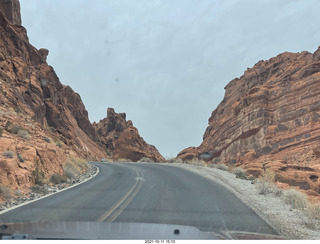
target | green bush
x=1, y=131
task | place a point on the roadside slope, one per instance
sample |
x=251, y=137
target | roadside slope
x=289, y=222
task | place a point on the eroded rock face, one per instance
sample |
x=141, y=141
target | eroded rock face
x=122, y=139
x=271, y=114
x=11, y=10
x=54, y=120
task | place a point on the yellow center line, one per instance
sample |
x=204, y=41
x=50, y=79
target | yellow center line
x=125, y=200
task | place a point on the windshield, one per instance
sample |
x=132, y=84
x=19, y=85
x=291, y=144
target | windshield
x=191, y=119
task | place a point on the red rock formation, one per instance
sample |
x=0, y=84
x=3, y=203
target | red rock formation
x=269, y=117
x=122, y=139
x=52, y=119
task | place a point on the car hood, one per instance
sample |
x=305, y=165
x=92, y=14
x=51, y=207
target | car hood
x=117, y=231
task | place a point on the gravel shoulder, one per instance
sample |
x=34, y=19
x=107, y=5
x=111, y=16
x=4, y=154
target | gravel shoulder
x=288, y=222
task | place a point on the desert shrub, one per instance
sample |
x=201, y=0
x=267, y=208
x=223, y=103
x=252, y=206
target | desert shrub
x=105, y=160
x=265, y=188
x=314, y=211
x=197, y=162
x=59, y=144
x=1, y=131
x=23, y=134
x=145, y=160
x=296, y=199
x=14, y=129
x=266, y=184
x=82, y=163
x=73, y=167
x=70, y=170
x=268, y=175
x=20, y=158
x=39, y=189
x=123, y=160
x=18, y=193
x=223, y=167
x=38, y=172
x=176, y=160
x=8, y=154
x=46, y=139
x=5, y=192
x=57, y=178
x=240, y=173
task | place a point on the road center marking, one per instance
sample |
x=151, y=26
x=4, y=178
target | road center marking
x=118, y=207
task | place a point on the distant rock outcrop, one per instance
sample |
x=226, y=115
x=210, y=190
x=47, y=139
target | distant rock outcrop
x=270, y=118
x=122, y=140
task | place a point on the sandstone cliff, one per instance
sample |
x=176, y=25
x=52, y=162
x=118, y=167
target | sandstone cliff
x=122, y=140
x=39, y=117
x=270, y=118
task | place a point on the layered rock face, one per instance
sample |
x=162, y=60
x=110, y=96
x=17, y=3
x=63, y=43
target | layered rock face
x=270, y=118
x=122, y=140
x=39, y=117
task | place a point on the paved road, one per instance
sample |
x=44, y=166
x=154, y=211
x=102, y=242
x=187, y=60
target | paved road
x=145, y=193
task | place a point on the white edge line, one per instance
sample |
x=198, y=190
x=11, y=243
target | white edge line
x=64, y=189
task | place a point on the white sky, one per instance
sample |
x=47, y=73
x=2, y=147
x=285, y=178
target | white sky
x=164, y=62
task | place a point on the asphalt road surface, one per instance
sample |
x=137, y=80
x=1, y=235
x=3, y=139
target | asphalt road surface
x=145, y=193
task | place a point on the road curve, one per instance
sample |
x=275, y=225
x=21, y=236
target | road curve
x=145, y=193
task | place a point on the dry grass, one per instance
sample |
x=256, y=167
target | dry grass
x=314, y=210
x=123, y=160
x=296, y=199
x=5, y=192
x=266, y=188
x=240, y=173
x=268, y=175
x=24, y=134
x=8, y=154
x=265, y=184
x=57, y=178
x=74, y=166
x=197, y=162
x=175, y=160
x=105, y=160
x=223, y=167
x=145, y=160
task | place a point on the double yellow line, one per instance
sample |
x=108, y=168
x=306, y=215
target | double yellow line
x=116, y=210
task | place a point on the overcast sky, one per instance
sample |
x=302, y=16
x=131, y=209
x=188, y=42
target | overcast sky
x=164, y=62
